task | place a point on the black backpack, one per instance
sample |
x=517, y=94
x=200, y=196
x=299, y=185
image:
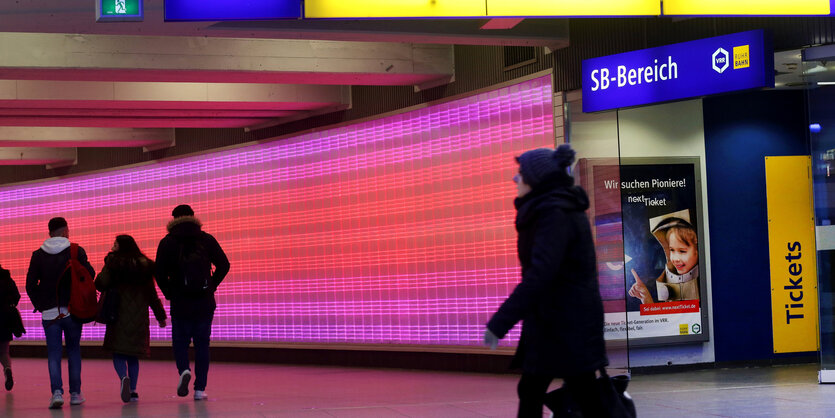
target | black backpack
x=195, y=268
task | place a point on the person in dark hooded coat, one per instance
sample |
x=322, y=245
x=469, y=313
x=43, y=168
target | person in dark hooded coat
x=128, y=275
x=181, y=254
x=9, y=297
x=558, y=298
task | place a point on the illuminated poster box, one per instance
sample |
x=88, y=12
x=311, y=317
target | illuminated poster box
x=232, y=9
x=647, y=216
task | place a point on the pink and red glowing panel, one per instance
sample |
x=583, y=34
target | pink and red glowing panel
x=397, y=230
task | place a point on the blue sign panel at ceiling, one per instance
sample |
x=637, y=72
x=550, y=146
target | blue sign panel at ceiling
x=721, y=64
x=232, y=9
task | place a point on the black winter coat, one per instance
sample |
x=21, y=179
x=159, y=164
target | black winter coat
x=133, y=279
x=558, y=299
x=168, y=270
x=44, y=274
x=9, y=297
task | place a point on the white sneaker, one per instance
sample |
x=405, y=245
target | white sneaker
x=57, y=400
x=76, y=398
x=200, y=395
x=182, y=387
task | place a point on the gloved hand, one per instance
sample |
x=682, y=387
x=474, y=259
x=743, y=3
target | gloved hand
x=490, y=339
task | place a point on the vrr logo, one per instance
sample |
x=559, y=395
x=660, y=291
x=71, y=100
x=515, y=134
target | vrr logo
x=720, y=60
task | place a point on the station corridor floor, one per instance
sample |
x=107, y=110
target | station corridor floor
x=253, y=390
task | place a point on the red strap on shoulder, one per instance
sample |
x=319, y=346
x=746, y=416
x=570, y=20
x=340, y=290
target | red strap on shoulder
x=73, y=251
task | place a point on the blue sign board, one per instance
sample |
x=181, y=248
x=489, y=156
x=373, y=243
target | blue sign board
x=232, y=9
x=679, y=71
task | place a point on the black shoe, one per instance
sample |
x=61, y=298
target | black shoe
x=125, y=390
x=134, y=397
x=9, y=380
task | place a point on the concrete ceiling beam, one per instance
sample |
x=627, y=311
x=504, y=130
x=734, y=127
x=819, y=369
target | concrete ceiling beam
x=35, y=136
x=208, y=59
x=51, y=157
x=49, y=90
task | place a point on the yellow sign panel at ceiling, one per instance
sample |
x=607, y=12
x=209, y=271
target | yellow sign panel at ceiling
x=393, y=8
x=477, y=8
x=497, y=8
x=746, y=7
x=792, y=251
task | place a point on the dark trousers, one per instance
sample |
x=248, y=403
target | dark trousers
x=183, y=332
x=580, y=388
x=126, y=365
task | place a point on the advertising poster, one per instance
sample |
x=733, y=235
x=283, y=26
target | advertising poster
x=648, y=233
x=662, y=240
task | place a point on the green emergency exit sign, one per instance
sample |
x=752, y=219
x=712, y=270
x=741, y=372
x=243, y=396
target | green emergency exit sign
x=119, y=10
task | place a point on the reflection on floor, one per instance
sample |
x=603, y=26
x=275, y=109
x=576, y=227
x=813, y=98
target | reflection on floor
x=247, y=390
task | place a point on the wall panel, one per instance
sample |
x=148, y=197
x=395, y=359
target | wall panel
x=397, y=230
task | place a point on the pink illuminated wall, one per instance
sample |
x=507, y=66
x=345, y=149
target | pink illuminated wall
x=397, y=230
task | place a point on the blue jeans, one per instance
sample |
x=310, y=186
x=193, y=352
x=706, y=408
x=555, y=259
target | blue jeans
x=72, y=334
x=184, y=331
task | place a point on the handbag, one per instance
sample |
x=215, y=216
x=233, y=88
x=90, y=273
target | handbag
x=614, y=397
x=108, y=307
x=614, y=400
x=16, y=322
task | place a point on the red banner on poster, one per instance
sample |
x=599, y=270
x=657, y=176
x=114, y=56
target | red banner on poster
x=670, y=307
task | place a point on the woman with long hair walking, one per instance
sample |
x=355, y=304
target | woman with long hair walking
x=128, y=277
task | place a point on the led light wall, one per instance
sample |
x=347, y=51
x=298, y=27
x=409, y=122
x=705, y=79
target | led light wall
x=397, y=230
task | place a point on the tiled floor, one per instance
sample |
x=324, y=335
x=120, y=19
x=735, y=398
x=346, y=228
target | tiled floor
x=247, y=390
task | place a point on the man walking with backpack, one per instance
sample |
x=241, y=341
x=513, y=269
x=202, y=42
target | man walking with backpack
x=184, y=274
x=48, y=284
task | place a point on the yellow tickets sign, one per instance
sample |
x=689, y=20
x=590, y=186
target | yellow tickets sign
x=791, y=248
x=746, y=7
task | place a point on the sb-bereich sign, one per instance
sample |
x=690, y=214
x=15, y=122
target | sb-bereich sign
x=721, y=64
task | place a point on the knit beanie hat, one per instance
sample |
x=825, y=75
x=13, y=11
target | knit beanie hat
x=538, y=164
x=182, y=210
x=56, y=224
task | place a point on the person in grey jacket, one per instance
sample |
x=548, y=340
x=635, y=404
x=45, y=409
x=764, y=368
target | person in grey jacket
x=558, y=299
x=48, y=287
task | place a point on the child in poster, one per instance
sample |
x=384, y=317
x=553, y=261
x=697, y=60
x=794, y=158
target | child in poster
x=680, y=278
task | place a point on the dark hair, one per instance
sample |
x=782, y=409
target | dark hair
x=182, y=210
x=128, y=247
x=55, y=224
